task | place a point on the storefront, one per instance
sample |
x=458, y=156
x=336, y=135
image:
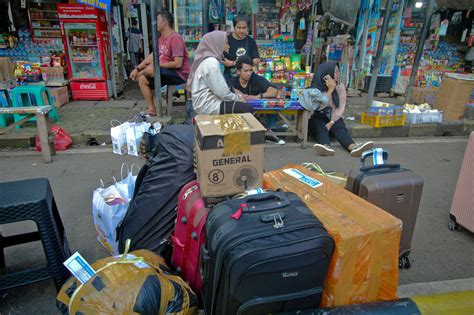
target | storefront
x=67, y=45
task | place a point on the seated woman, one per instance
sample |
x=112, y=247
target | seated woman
x=327, y=119
x=210, y=93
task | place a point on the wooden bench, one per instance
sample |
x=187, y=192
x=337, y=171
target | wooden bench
x=299, y=128
x=43, y=126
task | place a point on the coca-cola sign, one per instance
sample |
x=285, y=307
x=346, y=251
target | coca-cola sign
x=88, y=86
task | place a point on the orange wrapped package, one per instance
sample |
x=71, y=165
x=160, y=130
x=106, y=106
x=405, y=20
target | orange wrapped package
x=364, y=266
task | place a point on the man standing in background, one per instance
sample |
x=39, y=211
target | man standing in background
x=135, y=43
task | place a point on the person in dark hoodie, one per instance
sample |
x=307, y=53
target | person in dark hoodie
x=328, y=118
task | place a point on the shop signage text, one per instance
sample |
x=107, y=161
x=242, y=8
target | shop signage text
x=100, y=4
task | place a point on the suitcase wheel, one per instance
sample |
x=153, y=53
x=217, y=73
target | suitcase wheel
x=452, y=225
x=404, y=262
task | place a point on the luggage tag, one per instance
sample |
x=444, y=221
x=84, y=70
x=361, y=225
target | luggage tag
x=79, y=268
x=377, y=157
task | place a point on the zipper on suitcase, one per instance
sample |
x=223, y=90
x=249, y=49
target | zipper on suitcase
x=226, y=283
x=218, y=261
x=286, y=297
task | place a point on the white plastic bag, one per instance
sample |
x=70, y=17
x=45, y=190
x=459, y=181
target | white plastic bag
x=119, y=137
x=108, y=208
x=126, y=185
x=134, y=133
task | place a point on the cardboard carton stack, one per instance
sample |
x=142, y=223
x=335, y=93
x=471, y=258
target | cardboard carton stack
x=454, y=95
x=229, y=155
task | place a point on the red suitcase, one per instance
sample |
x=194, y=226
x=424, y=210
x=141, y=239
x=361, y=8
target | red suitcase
x=189, y=234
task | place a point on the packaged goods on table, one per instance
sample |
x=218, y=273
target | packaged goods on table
x=364, y=266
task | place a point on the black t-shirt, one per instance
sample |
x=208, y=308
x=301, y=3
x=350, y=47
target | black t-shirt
x=257, y=84
x=246, y=46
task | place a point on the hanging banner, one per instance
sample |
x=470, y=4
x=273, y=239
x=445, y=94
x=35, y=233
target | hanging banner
x=99, y=4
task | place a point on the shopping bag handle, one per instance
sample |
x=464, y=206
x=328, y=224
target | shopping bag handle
x=136, y=165
x=121, y=169
x=115, y=120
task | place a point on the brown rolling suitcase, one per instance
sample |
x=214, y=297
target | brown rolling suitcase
x=394, y=189
x=462, y=208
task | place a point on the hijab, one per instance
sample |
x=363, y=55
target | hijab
x=211, y=45
x=318, y=79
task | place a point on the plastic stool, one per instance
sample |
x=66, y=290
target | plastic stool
x=33, y=199
x=21, y=96
x=6, y=102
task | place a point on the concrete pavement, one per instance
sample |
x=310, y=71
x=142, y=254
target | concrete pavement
x=90, y=120
x=438, y=254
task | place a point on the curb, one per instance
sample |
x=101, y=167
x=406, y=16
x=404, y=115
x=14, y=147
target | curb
x=449, y=128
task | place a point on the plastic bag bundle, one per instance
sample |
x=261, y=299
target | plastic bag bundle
x=109, y=206
x=135, y=283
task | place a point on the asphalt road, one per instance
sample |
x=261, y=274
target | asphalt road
x=438, y=254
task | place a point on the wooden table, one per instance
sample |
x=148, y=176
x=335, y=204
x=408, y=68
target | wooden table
x=284, y=109
x=43, y=126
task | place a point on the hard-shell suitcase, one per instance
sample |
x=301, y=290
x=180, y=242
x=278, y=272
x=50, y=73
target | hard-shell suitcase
x=462, y=208
x=264, y=253
x=189, y=234
x=395, y=189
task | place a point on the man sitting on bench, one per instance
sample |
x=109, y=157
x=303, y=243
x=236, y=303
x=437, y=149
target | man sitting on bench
x=253, y=87
x=174, y=61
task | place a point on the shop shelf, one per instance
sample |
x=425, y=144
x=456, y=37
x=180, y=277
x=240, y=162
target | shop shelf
x=378, y=121
x=46, y=20
x=84, y=45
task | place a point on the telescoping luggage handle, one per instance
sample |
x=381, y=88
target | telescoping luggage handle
x=266, y=201
x=371, y=153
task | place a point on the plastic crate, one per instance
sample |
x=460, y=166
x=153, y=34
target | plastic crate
x=378, y=121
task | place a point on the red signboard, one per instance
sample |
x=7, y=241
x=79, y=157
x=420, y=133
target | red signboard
x=89, y=91
x=76, y=11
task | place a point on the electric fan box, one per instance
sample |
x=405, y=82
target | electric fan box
x=229, y=151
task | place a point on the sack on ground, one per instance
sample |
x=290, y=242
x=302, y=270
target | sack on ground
x=119, y=138
x=62, y=140
x=139, y=283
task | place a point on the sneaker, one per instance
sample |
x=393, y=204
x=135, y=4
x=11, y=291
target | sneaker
x=323, y=149
x=361, y=147
x=270, y=136
x=275, y=139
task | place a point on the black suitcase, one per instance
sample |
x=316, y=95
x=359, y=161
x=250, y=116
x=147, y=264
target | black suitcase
x=264, y=254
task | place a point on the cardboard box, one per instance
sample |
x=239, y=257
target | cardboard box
x=229, y=154
x=6, y=69
x=60, y=96
x=454, y=94
x=422, y=95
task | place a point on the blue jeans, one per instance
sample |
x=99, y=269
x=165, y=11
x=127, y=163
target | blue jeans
x=317, y=126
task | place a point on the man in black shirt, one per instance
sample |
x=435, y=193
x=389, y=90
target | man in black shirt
x=251, y=85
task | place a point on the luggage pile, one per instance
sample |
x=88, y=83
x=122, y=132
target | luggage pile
x=249, y=242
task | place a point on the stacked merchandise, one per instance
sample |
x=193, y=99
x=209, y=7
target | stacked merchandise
x=280, y=65
x=189, y=23
x=45, y=27
x=268, y=18
x=439, y=57
x=422, y=114
x=383, y=115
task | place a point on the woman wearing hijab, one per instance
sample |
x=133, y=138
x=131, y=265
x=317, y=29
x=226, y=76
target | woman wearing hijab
x=210, y=93
x=327, y=119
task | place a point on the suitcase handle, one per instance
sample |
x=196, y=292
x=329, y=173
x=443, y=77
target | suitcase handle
x=370, y=153
x=266, y=201
x=379, y=167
